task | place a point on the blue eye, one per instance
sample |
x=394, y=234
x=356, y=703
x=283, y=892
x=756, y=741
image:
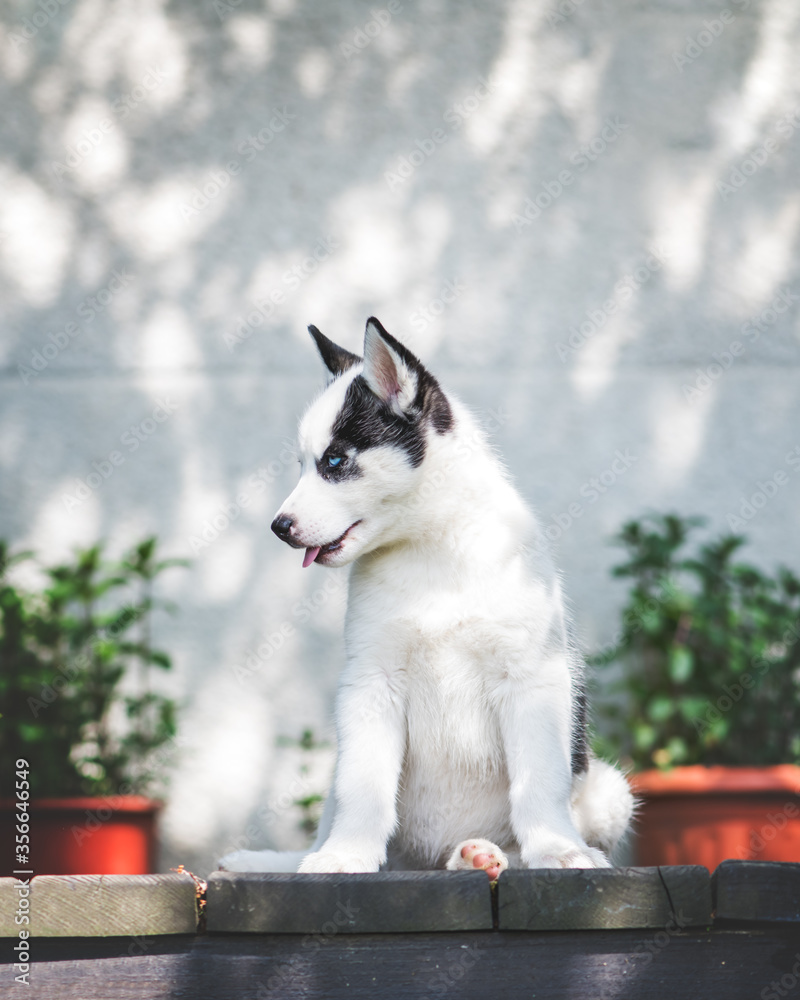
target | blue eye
x=334, y=460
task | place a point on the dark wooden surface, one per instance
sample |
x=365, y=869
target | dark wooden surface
x=605, y=898
x=755, y=891
x=387, y=902
x=490, y=965
x=752, y=950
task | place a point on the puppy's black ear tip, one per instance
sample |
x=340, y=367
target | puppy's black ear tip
x=374, y=321
x=336, y=359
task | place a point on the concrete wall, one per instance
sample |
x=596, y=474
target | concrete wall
x=567, y=211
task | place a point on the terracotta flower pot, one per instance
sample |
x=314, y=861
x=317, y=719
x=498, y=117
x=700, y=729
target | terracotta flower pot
x=704, y=815
x=84, y=836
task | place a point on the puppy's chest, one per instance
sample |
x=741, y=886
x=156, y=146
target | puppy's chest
x=450, y=683
x=449, y=658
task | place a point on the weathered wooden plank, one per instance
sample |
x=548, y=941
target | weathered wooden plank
x=383, y=902
x=587, y=898
x=11, y=902
x=757, y=890
x=595, y=965
x=103, y=905
x=689, y=894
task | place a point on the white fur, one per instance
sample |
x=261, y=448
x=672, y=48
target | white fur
x=454, y=708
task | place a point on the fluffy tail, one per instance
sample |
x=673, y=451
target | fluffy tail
x=262, y=861
x=602, y=805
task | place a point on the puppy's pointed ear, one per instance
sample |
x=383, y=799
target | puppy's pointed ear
x=337, y=359
x=400, y=380
x=390, y=369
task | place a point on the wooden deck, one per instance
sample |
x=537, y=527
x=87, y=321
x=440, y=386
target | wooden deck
x=627, y=933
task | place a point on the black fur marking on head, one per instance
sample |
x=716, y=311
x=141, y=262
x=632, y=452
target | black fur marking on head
x=337, y=359
x=364, y=421
x=430, y=403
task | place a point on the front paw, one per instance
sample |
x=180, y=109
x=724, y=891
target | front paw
x=338, y=861
x=480, y=854
x=564, y=854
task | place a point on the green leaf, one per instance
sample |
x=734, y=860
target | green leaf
x=678, y=750
x=644, y=736
x=651, y=620
x=717, y=731
x=692, y=707
x=660, y=708
x=681, y=664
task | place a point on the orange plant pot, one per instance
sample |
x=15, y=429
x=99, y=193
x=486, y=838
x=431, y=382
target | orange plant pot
x=704, y=815
x=83, y=836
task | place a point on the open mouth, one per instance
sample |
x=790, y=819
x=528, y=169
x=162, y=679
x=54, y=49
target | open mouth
x=317, y=553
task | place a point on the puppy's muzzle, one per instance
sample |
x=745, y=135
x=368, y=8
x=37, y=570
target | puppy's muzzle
x=282, y=526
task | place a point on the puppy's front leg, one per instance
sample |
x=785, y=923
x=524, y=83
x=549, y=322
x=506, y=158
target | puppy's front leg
x=536, y=725
x=370, y=725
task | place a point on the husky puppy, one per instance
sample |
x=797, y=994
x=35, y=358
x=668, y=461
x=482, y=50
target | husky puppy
x=461, y=713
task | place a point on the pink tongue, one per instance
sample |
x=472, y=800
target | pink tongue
x=310, y=556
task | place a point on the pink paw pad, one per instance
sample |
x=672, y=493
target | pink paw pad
x=479, y=857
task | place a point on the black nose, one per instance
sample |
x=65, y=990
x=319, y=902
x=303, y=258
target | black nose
x=282, y=526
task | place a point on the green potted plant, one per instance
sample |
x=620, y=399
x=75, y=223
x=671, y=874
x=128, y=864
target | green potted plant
x=703, y=697
x=79, y=715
